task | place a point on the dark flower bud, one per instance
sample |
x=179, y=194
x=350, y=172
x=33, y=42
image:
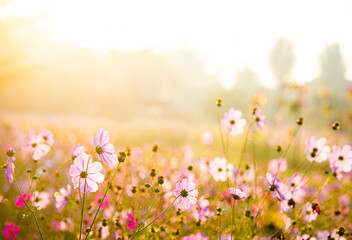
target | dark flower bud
x=134, y=189
x=121, y=157
x=198, y=222
x=161, y=180
x=278, y=148
x=337, y=212
x=341, y=231
x=291, y=203
x=147, y=185
x=87, y=230
x=156, y=190
x=29, y=170
x=153, y=173
x=35, y=177
x=162, y=229
x=128, y=151
x=300, y=121
x=335, y=126
x=10, y=152
x=190, y=168
x=247, y=213
x=219, y=102
x=104, y=222
x=155, y=148
x=178, y=212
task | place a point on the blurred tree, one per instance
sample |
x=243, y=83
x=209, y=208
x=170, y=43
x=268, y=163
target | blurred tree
x=282, y=59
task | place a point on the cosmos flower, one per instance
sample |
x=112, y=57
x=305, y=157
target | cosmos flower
x=233, y=123
x=259, y=118
x=316, y=149
x=42, y=199
x=305, y=237
x=207, y=138
x=237, y=193
x=186, y=192
x=201, y=211
x=76, y=151
x=104, y=149
x=310, y=212
x=99, y=197
x=62, y=197
x=36, y=145
x=48, y=137
x=220, y=169
x=10, y=231
x=274, y=185
x=19, y=201
x=131, y=221
x=278, y=165
x=103, y=230
x=341, y=159
x=198, y=236
x=81, y=173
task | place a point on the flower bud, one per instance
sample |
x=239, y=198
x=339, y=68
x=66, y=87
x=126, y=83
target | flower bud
x=300, y=121
x=335, y=126
x=219, y=102
x=10, y=152
x=121, y=157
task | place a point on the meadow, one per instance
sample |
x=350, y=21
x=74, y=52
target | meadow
x=93, y=178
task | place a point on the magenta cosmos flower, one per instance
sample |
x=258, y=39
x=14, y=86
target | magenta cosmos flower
x=131, y=222
x=274, y=185
x=237, y=193
x=187, y=193
x=36, y=145
x=62, y=197
x=316, y=149
x=19, y=201
x=341, y=159
x=82, y=173
x=259, y=118
x=10, y=231
x=104, y=149
x=233, y=123
x=99, y=197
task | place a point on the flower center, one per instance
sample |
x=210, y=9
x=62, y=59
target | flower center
x=235, y=197
x=220, y=169
x=272, y=188
x=257, y=119
x=34, y=145
x=232, y=122
x=83, y=174
x=99, y=150
x=341, y=158
x=45, y=138
x=184, y=193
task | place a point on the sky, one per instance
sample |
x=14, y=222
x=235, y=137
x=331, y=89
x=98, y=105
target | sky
x=230, y=35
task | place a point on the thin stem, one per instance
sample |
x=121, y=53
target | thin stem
x=260, y=208
x=57, y=171
x=243, y=151
x=101, y=202
x=155, y=218
x=25, y=202
x=254, y=162
x=220, y=131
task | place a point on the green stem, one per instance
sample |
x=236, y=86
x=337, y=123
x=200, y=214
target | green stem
x=101, y=202
x=25, y=202
x=155, y=218
x=243, y=150
x=254, y=162
x=220, y=131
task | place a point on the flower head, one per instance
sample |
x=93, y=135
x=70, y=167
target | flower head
x=82, y=173
x=316, y=149
x=186, y=192
x=207, y=138
x=104, y=149
x=48, y=137
x=76, y=151
x=259, y=118
x=233, y=123
x=131, y=221
x=36, y=145
x=98, y=198
x=220, y=169
x=42, y=199
x=19, y=201
x=237, y=193
x=62, y=197
x=274, y=185
x=10, y=231
x=341, y=159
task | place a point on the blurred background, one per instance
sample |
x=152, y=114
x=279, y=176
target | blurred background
x=128, y=60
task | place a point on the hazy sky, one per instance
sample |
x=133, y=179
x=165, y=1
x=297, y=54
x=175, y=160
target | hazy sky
x=230, y=34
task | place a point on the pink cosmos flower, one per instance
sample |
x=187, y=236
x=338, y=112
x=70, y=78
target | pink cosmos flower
x=131, y=221
x=82, y=173
x=237, y=193
x=305, y=237
x=99, y=197
x=76, y=151
x=259, y=118
x=278, y=165
x=199, y=236
x=310, y=212
x=36, y=145
x=201, y=211
x=316, y=149
x=274, y=185
x=48, y=137
x=104, y=149
x=207, y=138
x=341, y=159
x=233, y=123
x=62, y=197
x=19, y=201
x=42, y=199
x=103, y=230
x=220, y=169
x=187, y=193
x=10, y=231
